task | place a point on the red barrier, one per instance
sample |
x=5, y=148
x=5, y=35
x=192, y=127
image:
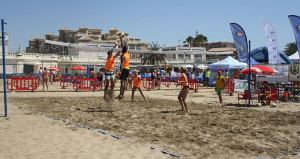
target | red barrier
x=229, y=86
x=176, y=81
x=67, y=82
x=193, y=84
x=22, y=83
x=148, y=84
x=85, y=84
x=166, y=81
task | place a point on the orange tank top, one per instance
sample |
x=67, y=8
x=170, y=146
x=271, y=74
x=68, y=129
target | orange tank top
x=285, y=94
x=136, y=82
x=182, y=79
x=110, y=64
x=126, y=60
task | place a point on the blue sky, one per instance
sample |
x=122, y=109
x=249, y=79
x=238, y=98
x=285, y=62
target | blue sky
x=167, y=22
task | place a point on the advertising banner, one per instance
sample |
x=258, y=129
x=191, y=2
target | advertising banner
x=295, y=21
x=240, y=85
x=240, y=41
x=294, y=72
x=273, y=54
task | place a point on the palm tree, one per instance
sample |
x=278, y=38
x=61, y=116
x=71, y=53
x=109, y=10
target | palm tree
x=200, y=40
x=290, y=48
x=152, y=59
x=189, y=40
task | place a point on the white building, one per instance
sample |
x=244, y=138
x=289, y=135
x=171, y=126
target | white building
x=6, y=43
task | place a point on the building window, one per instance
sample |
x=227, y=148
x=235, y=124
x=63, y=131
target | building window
x=132, y=47
x=139, y=47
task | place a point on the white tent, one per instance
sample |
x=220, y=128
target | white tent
x=229, y=63
x=187, y=66
x=202, y=67
x=295, y=57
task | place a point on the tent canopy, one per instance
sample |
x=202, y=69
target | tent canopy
x=227, y=63
x=202, y=67
x=295, y=56
x=253, y=62
x=187, y=66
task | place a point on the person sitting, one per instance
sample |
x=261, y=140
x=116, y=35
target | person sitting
x=266, y=90
x=285, y=96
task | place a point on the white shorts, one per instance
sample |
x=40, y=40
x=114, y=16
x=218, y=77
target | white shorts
x=109, y=75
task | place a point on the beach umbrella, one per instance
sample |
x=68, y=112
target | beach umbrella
x=260, y=70
x=78, y=68
x=53, y=69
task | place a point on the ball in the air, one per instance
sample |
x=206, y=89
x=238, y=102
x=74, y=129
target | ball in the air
x=122, y=34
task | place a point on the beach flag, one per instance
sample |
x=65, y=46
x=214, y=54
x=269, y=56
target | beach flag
x=240, y=41
x=295, y=21
x=273, y=54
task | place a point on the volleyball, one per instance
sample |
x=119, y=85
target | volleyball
x=122, y=34
x=273, y=105
x=258, y=105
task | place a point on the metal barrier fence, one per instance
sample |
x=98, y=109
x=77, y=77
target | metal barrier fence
x=67, y=81
x=22, y=83
x=229, y=86
x=85, y=84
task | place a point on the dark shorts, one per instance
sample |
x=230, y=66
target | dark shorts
x=158, y=78
x=100, y=78
x=186, y=87
x=124, y=74
x=206, y=79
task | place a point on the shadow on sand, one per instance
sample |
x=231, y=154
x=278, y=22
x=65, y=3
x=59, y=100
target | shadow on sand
x=238, y=105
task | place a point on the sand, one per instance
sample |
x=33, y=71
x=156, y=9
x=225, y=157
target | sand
x=207, y=131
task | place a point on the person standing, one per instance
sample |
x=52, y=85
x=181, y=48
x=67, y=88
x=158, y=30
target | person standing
x=207, y=75
x=51, y=76
x=92, y=75
x=188, y=73
x=220, y=85
x=100, y=79
x=129, y=81
x=195, y=70
x=204, y=78
x=236, y=74
x=40, y=72
x=45, y=76
x=185, y=89
x=226, y=73
x=137, y=85
x=153, y=77
x=158, y=79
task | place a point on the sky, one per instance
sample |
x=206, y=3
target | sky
x=167, y=22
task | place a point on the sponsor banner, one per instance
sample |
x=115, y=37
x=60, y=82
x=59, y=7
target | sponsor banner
x=273, y=54
x=294, y=72
x=240, y=41
x=295, y=21
x=281, y=78
x=240, y=85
